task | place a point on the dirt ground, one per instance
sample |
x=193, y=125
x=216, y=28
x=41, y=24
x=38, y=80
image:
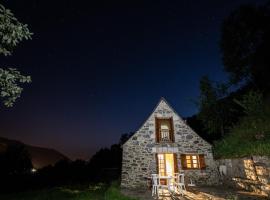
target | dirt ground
x=199, y=193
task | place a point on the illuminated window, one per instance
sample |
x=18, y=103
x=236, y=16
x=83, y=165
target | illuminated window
x=193, y=161
x=164, y=130
x=161, y=164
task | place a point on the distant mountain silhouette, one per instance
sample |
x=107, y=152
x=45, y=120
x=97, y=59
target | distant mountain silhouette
x=41, y=157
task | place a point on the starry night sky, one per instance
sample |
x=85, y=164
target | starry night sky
x=99, y=67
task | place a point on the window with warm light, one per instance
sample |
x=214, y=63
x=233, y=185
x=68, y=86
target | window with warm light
x=166, y=165
x=190, y=161
x=161, y=164
x=164, y=130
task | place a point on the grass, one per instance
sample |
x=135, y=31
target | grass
x=251, y=135
x=93, y=192
x=237, y=148
x=248, y=138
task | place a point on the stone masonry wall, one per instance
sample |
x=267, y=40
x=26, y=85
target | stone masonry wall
x=139, y=160
x=250, y=173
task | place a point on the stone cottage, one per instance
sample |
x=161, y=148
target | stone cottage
x=164, y=145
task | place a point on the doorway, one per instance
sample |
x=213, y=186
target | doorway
x=167, y=165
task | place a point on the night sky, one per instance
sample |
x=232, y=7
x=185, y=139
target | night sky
x=99, y=67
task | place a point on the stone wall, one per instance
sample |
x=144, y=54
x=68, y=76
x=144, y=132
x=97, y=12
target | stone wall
x=252, y=173
x=139, y=152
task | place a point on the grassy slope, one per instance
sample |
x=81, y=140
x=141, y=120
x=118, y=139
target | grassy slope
x=98, y=192
x=251, y=136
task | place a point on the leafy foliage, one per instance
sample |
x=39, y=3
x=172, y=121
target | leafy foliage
x=124, y=137
x=12, y=32
x=104, y=166
x=252, y=103
x=10, y=80
x=213, y=112
x=245, y=45
x=15, y=161
x=113, y=193
x=106, y=163
x=251, y=136
x=73, y=192
x=235, y=147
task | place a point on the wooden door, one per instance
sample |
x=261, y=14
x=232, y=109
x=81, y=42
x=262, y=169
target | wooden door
x=166, y=165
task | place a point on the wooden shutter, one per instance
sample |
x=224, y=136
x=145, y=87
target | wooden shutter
x=175, y=163
x=157, y=130
x=171, y=130
x=157, y=163
x=202, y=161
x=183, y=161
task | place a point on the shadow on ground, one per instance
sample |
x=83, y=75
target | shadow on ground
x=199, y=193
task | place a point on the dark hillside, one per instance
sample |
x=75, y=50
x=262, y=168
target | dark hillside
x=41, y=156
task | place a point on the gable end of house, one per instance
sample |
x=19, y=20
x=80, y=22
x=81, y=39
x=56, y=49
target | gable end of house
x=152, y=114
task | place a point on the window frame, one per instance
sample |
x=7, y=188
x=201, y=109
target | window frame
x=200, y=161
x=161, y=164
x=158, y=163
x=158, y=129
x=192, y=161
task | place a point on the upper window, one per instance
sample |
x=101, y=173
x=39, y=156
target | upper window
x=192, y=161
x=164, y=130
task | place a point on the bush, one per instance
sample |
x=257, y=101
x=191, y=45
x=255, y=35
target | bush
x=251, y=136
x=113, y=193
x=71, y=192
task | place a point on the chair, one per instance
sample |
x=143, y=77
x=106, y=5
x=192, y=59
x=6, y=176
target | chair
x=156, y=185
x=180, y=183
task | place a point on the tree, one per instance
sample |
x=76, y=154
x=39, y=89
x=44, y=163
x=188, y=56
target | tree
x=106, y=163
x=251, y=103
x=245, y=45
x=10, y=80
x=124, y=137
x=12, y=32
x=16, y=160
x=214, y=110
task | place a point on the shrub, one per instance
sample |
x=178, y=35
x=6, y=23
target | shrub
x=251, y=136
